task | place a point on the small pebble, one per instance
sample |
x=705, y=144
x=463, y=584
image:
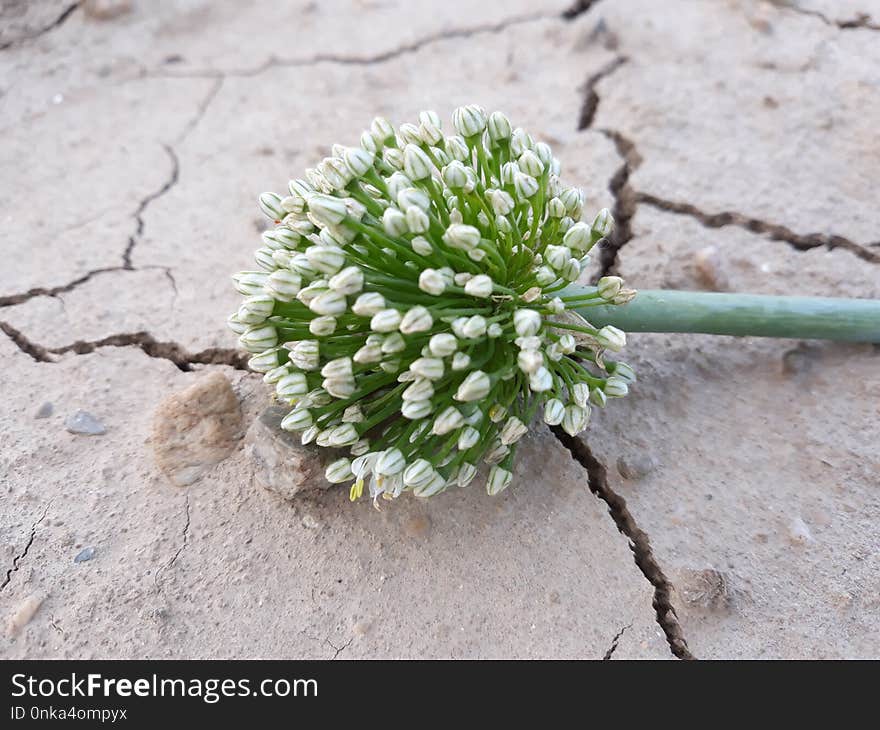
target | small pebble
x=636, y=466
x=710, y=274
x=45, y=410
x=85, y=555
x=83, y=422
x=23, y=614
x=799, y=533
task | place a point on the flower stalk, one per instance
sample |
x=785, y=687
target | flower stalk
x=715, y=313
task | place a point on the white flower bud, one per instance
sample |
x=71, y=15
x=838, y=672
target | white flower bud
x=259, y=339
x=575, y=419
x=466, y=474
x=457, y=148
x=339, y=387
x=270, y=204
x=361, y=447
x=475, y=386
x=545, y=275
x=580, y=394
x=385, y=320
x=335, y=172
x=256, y=309
x=494, y=330
x=462, y=236
x=572, y=270
x=474, y=327
x=250, y=283
x=557, y=256
x=417, y=319
x=529, y=361
x=502, y=202
x=616, y=387
x=323, y=326
x=525, y=185
x=419, y=473
x=421, y=389
x=348, y=281
x=326, y=259
x=621, y=370
x=454, y=175
x=555, y=208
x=416, y=164
x=393, y=157
x=368, y=354
x=235, y=325
x=611, y=338
x=416, y=409
x=327, y=210
x=366, y=305
x=328, y=302
x=359, y=161
x=526, y=322
x=422, y=246
x=394, y=222
x=435, y=486
x=393, y=343
x=284, y=284
x=609, y=286
x=499, y=127
x=390, y=462
x=443, y=344
x=461, y=361
x=264, y=362
x=513, y=430
x=603, y=223
x=499, y=480
x=297, y=420
x=381, y=129
x=339, y=367
x=469, y=120
x=343, y=435
x=557, y=306
x=554, y=412
x=468, y=438
x=479, y=286
x=339, y=471
x=417, y=220
x=282, y=258
x=408, y=133
x=429, y=127
x=598, y=398
x=265, y=259
x=304, y=354
x=368, y=142
x=530, y=164
x=541, y=380
x=578, y=237
x=520, y=141
x=291, y=387
x=448, y=420
x=554, y=352
x=428, y=367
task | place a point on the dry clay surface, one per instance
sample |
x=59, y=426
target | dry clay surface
x=728, y=507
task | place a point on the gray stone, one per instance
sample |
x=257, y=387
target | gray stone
x=84, y=423
x=85, y=555
x=281, y=463
x=636, y=466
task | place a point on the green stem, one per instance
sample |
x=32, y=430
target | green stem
x=822, y=318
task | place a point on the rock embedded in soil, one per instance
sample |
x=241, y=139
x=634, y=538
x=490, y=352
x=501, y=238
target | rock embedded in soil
x=281, y=463
x=636, y=466
x=45, y=410
x=85, y=555
x=84, y=424
x=23, y=614
x=196, y=428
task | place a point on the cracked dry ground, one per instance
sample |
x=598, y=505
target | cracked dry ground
x=727, y=508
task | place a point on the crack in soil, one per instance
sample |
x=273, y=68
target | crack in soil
x=624, y=207
x=145, y=203
x=173, y=559
x=591, y=96
x=639, y=543
x=201, y=109
x=377, y=58
x=861, y=21
x=340, y=649
x=774, y=231
x=615, y=641
x=149, y=345
x=578, y=8
x=58, y=22
x=16, y=561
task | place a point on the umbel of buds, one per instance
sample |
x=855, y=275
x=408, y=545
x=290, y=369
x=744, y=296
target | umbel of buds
x=409, y=304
